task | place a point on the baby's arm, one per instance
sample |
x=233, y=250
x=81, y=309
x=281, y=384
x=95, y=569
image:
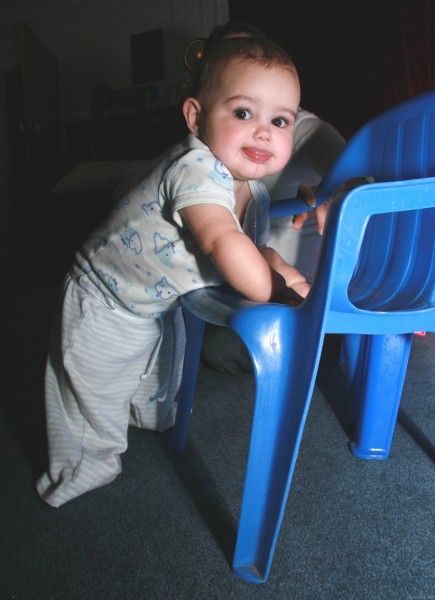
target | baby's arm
x=293, y=278
x=233, y=253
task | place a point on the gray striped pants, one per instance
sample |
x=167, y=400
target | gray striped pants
x=106, y=369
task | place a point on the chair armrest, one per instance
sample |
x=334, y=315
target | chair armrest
x=215, y=304
x=287, y=207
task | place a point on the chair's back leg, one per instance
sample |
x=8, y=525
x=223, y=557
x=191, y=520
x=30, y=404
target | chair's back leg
x=379, y=389
x=194, y=336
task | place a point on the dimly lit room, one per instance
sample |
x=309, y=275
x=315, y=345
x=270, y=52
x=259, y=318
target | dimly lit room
x=295, y=459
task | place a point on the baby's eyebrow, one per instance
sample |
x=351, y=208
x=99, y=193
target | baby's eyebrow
x=240, y=98
x=285, y=109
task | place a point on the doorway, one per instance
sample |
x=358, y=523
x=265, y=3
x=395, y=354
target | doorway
x=34, y=150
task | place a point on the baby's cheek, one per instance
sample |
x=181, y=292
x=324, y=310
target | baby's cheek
x=286, y=152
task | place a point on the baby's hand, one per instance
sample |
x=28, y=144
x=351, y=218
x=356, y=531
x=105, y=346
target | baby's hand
x=290, y=296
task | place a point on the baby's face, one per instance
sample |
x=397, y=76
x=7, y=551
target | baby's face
x=249, y=119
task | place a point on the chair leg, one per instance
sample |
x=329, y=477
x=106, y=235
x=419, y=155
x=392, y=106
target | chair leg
x=194, y=336
x=352, y=349
x=381, y=377
x=285, y=371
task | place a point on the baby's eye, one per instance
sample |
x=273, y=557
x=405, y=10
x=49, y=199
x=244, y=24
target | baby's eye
x=242, y=114
x=280, y=122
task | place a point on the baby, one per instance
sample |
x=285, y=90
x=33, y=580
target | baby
x=199, y=219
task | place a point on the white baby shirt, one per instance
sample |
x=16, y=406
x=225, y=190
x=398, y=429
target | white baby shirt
x=143, y=256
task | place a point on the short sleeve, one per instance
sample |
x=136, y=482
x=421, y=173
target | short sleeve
x=197, y=178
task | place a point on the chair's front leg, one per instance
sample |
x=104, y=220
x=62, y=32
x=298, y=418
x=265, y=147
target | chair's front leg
x=285, y=358
x=194, y=336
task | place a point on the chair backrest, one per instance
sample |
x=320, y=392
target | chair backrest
x=398, y=144
x=379, y=255
x=396, y=261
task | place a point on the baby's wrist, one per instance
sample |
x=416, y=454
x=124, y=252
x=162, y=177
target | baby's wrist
x=287, y=296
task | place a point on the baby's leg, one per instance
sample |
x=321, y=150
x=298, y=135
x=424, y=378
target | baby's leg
x=94, y=367
x=153, y=406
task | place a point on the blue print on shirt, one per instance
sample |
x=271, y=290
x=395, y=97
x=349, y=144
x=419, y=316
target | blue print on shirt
x=131, y=239
x=222, y=175
x=164, y=249
x=125, y=201
x=110, y=281
x=163, y=291
x=162, y=244
x=151, y=207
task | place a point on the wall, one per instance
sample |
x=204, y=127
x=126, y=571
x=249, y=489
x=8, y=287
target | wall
x=91, y=39
x=354, y=59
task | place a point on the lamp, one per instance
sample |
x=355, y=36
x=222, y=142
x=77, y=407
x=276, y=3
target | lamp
x=193, y=53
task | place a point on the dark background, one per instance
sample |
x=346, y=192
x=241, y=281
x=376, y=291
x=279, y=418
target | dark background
x=354, y=59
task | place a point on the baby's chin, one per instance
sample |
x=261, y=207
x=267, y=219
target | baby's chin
x=254, y=171
x=262, y=171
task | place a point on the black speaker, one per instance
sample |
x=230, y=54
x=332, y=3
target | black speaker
x=147, y=62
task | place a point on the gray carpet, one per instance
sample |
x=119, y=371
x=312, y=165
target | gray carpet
x=165, y=528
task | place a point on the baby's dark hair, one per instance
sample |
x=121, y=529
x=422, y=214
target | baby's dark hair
x=233, y=29
x=259, y=50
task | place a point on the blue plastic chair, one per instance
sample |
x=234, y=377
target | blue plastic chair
x=375, y=284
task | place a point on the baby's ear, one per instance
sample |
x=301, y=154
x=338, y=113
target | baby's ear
x=192, y=111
